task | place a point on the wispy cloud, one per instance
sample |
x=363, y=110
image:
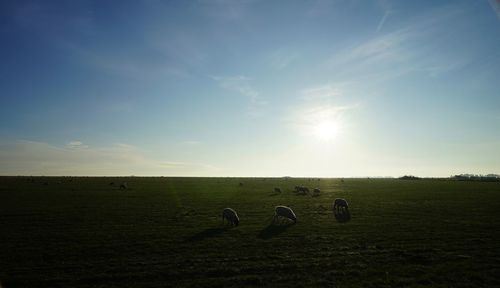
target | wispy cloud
x=409, y=48
x=338, y=94
x=382, y=21
x=382, y=49
x=327, y=91
x=495, y=5
x=443, y=68
x=75, y=144
x=242, y=85
x=386, y=7
x=325, y=101
x=316, y=115
x=325, y=104
x=282, y=58
x=75, y=158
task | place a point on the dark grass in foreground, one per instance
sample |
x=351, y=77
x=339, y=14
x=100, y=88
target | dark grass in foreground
x=161, y=232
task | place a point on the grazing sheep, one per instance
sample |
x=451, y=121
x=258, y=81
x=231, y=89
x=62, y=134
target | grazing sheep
x=124, y=185
x=340, y=204
x=231, y=217
x=316, y=191
x=301, y=189
x=277, y=190
x=285, y=212
x=241, y=183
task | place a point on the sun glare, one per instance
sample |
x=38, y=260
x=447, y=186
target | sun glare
x=326, y=130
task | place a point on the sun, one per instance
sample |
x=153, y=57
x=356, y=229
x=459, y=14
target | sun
x=326, y=130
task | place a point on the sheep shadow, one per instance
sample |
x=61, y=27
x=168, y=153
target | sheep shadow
x=342, y=216
x=207, y=233
x=273, y=230
x=301, y=194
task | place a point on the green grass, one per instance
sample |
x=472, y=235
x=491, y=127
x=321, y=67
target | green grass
x=166, y=232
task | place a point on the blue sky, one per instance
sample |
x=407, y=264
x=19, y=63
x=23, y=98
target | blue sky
x=249, y=88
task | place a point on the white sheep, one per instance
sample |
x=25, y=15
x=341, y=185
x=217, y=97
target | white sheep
x=285, y=212
x=231, y=216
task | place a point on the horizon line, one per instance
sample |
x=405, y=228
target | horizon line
x=286, y=176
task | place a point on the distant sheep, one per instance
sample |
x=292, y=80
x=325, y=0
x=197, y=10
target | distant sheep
x=124, y=185
x=340, y=204
x=301, y=189
x=316, y=191
x=277, y=190
x=304, y=190
x=231, y=217
x=285, y=212
x=241, y=183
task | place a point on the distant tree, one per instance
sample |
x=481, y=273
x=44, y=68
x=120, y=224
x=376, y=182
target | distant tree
x=474, y=177
x=409, y=177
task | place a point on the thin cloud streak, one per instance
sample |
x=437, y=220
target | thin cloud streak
x=495, y=5
x=241, y=85
x=320, y=92
x=382, y=21
x=282, y=58
x=75, y=144
x=399, y=52
x=77, y=159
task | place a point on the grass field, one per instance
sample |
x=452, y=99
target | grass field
x=166, y=232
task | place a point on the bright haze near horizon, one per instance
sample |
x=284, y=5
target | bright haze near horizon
x=249, y=88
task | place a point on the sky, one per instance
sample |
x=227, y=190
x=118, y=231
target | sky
x=250, y=88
